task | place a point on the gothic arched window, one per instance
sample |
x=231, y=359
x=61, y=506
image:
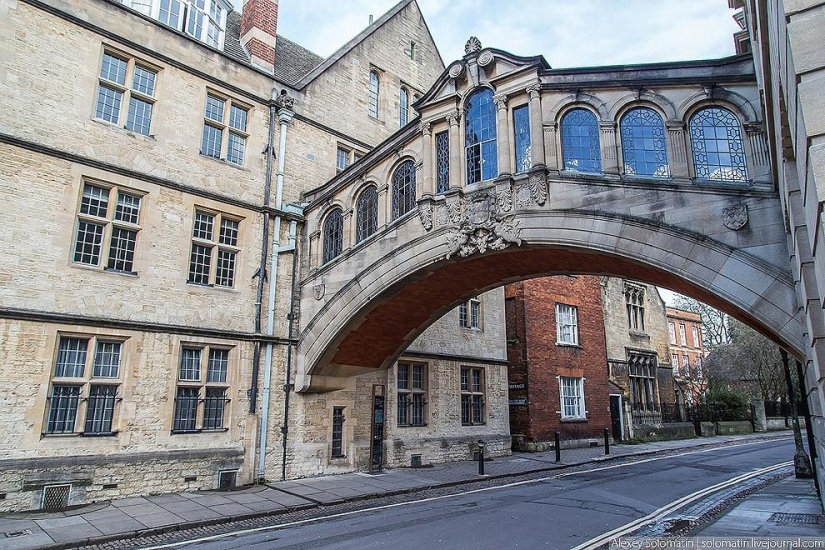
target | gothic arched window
x=373, y=99
x=580, y=141
x=718, y=148
x=403, y=189
x=643, y=143
x=333, y=235
x=480, y=137
x=366, y=214
x=403, y=107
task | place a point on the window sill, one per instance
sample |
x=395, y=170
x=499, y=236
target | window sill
x=411, y=425
x=99, y=434
x=132, y=133
x=566, y=345
x=224, y=162
x=471, y=425
x=338, y=458
x=119, y=272
x=574, y=420
x=473, y=329
x=211, y=286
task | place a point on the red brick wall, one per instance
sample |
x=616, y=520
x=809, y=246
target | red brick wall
x=261, y=14
x=535, y=357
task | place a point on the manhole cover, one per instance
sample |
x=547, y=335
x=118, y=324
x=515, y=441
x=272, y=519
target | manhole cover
x=782, y=518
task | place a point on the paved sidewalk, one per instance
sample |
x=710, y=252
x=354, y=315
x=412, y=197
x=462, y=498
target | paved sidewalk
x=132, y=517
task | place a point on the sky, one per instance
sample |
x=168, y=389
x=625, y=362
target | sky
x=569, y=33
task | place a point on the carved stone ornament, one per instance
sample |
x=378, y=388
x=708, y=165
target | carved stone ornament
x=538, y=188
x=485, y=58
x=473, y=45
x=425, y=212
x=735, y=217
x=456, y=69
x=284, y=101
x=483, y=230
x=504, y=197
x=318, y=291
x=454, y=208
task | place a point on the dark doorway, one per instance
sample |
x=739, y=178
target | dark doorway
x=616, y=416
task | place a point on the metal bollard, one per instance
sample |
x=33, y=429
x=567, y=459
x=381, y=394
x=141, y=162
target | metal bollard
x=480, y=457
x=558, y=447
x=606, y=442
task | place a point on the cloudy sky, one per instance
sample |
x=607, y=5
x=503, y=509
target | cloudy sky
x=569, y=33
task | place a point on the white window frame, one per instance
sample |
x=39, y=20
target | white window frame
x=470, y=314
x=576, y=384
x=567, y=317
x=682, y=335
x=696, y=342
x=674, y=359
x=671, y=329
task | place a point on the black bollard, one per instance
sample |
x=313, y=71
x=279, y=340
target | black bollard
x=606, y=442
x=558, y=447
x=480, y=457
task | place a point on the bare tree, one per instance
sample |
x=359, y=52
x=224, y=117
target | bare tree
x=715, y=324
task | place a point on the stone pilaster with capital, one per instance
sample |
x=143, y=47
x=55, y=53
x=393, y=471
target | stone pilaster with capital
x=551, y=157
x=455, y=147
x=536, y=134
x=427, y=185
x=677, y=149
x=503, y=134
x=607, y=142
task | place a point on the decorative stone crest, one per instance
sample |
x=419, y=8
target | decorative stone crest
x=485, y=58
x=735, y=217
x=482, y=229
x=473, y=45
x=456, y=69
x=318, y=291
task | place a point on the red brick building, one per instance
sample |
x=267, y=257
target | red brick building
x=557, y=359
x=686, y=354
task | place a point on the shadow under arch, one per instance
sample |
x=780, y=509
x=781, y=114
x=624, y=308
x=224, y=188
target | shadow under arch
x=373, y=318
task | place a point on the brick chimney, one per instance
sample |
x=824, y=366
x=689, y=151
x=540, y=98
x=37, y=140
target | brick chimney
x=259, y=22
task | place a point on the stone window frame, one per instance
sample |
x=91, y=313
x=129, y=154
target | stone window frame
x=571, y=315
x=572, y=387
x=413, y=396
x=366, y=228
x=103, y=226
x=403, y=106
x=664, y=171
x=85, y=382
x=565, y=123
x=374, y=94
x=697, y=142
x=332, y=235
x=337, y=425
x=228, y=127
x=642, y=380
x=203, y=385
x=127, y=91
x=473, y=394
x=220, y=250
x=635, y=297
x=346, y=156
x=522, y=145
x=470, y=315
x=492, y=143
x=403, y=189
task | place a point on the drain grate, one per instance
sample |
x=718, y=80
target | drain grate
x=782, y=518
x=55, y=497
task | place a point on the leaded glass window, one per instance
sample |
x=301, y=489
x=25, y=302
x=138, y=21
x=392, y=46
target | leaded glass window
x=366, y=220
x=333, y=235
x=373, y=96
x=403, y=189
x=480, y=137
x=718, y=148
x=403, y=107
x=643, y=143
x=521, y=124
x=442, y=161
x=201, y=395
x=116, y=89
x=580, y=141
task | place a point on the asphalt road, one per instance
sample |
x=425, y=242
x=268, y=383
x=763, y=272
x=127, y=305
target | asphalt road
x=561, y=511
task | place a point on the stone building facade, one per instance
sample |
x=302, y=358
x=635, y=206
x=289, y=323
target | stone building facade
x=557, y=360
x=638, y=357
x=144, y=350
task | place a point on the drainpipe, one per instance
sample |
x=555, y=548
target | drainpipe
x=285, y=114
x=256, y=356
x=293, y=230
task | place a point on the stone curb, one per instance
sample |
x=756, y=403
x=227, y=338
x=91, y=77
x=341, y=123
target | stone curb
x=153, y=531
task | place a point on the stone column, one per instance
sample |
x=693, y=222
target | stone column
x=383, y=206
x=349, y=230
x=427, y=186
x=677, y=149
x=550, y=155
x=455, y=148
x=759, y=166
x=536, y=134
x=503, y=136
x=610, y=153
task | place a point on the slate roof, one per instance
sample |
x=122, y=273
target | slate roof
x=292, y=61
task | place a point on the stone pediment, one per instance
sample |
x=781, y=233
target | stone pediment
x=479, y=65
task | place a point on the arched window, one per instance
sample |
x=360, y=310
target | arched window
x=333, y=235
x=403, y=107
x=403, y=189
x=480, y=137
x=366, y=214
x=718, y=149
x=373, y=103
x=643, y=143
x=580, y=141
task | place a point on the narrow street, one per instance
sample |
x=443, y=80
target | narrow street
x=564, y=510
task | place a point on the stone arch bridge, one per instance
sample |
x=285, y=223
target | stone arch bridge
x=438, y=237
